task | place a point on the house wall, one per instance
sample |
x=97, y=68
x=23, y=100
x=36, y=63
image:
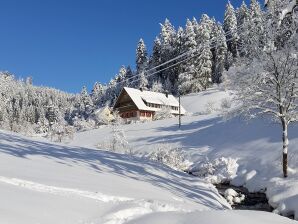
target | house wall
x=137, y=115
x=146, y=115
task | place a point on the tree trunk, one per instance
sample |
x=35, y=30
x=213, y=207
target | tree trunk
x=285, y=143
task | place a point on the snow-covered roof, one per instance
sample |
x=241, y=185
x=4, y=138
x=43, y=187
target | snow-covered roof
x=140, y=98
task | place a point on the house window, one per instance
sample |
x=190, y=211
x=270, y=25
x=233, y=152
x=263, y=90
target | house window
x=148, y=114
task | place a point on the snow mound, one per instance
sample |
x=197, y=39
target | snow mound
x=217, y=171
x=233, y=197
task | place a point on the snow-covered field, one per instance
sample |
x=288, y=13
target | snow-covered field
x=46, y=183
x=42, y=182
x=206, y=136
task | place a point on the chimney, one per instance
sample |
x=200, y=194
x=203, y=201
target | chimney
x=167, y=94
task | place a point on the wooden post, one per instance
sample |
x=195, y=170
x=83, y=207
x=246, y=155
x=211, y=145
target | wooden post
x=179, y=111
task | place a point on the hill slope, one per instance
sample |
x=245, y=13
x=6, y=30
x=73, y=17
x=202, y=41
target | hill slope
x=205, y=136
x=42, y=182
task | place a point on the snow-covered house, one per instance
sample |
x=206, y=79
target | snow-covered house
x=137, y=104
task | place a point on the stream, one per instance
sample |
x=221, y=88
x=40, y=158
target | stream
x=253, y=201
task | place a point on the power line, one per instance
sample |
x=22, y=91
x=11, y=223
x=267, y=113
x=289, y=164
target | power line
x=163, y=69
x=190, y=52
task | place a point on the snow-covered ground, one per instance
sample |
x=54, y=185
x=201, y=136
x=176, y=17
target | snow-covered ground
x=205, y=136
x=42, y=182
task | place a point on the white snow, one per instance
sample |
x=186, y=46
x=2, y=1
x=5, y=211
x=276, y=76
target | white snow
x=233, y=197
x=41, y=182
x=205, y=137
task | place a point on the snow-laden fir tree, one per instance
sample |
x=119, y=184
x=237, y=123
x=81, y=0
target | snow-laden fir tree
x=86, y=104
x=97, y=93
x=195, y=26
x=253, y=36
x=189, y=68
x=121, y=79
x=143, y=81
x=129, y=78
x=157, y=86
x=230, y=28
x=156, y=54
x=141, y=64
x=141, y=56
x=243, y=16
x=221, y=51
x=155, y=60
x=167, y=37
x=204, y=66
x=179, y=43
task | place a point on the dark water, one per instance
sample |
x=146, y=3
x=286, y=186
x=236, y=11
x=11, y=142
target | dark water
x=253, y=201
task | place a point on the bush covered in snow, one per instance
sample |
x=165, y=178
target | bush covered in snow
x=118, y=141
x=210, y=107
x=225, y=104
x=164, y=113
x=167, y=155
x=217, y=171
x=60, y=132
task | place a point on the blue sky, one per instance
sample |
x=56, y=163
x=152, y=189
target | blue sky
x=70, y=43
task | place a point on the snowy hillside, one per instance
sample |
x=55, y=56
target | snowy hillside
x=44, y=183
x=205, y=136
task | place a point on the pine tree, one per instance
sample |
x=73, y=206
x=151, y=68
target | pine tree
x=204, y=66
x=167, y=38
x=86, y=104
x=156, y=60
x=254, y=34
x=242, y=14
x=230, y=28
x=157, y=86
x=190, y=68
x=129, y=77
x=243, y=17
x=220, y=55
x=156, y=55
x=141, y=63
x=121, y=79
x=195, y=26
x=143, y=81
x=141, y=56
x=97, y=93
